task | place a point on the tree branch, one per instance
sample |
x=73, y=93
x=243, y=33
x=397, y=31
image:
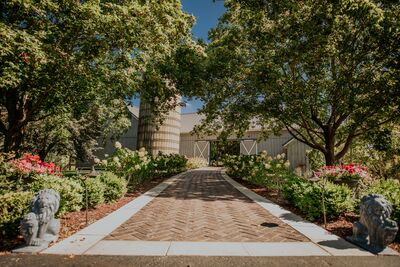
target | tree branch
x=314, y=117
x=304, y=140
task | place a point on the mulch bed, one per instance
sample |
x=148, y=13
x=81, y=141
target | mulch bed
x=342, y=226
x=72, y=222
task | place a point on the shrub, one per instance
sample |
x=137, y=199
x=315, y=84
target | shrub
x=13, y=206
x=115, y=187
x=307, y=196
x=195, y=163
x=260, y=169
x=292, y=188
x=350, y=174
x=32, y=163
x=95, y=191
x=10, y=179
x=166, y=165
x=71, y=191
x=391, y=190
x=138, y=166
x=133, y=165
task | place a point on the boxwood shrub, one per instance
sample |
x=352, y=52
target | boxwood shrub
x=71, y=191
x=115, y=187
x=307, y=196
x=13, y=206
x=95, y=191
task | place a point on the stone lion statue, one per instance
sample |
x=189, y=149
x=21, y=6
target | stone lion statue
x=39, y=226
x=375, y=228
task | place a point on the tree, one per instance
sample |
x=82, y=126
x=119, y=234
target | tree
x=77, y=134
x=327, y=71
x=57, y=56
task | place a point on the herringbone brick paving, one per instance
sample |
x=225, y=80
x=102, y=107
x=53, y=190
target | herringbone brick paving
x=202, y=206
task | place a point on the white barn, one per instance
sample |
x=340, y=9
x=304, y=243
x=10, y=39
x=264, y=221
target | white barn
x=191, y=145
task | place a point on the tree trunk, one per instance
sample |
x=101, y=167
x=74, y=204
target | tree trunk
x=17, y=113
x=42, y=154
x=330, y=158
x=13, y=140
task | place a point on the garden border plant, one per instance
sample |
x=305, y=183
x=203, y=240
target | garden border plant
x=21, y=178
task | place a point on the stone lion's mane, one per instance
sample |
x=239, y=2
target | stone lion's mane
x=374, y=203
x=45, y=204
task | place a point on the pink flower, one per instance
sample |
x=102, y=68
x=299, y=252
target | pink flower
x=32, y=163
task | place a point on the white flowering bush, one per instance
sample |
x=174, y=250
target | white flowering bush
x=261, y=169
x=196, y=162
x=138, y=166
x=133, y=165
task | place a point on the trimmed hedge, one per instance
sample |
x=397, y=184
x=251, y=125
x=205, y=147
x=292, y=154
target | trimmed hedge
x=307, y=196
x=114, y=186
x=13, y=206
x=95, y=191
x=71, y=191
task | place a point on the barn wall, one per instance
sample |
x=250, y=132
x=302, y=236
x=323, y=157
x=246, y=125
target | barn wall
x=128, y=139
x=296, y=153
x=274, y=143
x=187, y=145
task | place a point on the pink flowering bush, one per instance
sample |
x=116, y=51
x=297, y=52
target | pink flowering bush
x=32, y=164
x=349, y=174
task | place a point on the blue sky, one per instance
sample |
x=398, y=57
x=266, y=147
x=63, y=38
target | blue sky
x=207, y=13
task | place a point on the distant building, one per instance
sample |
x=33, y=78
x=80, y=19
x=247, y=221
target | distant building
x=209, y=148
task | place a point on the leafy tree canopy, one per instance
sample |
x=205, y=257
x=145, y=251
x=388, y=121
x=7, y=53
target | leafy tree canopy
x=327, y=71
x=61, y=57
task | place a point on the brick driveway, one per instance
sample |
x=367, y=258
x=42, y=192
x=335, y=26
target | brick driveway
x=202, y=206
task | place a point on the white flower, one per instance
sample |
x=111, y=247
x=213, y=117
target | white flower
x=283, y=155
x=104, y=162
x=279, y=156
x=278, y=165
x=116, y=159
x=142, y=149
x=141, y=153
x=137, y=167
x=117, y=145
x=106, y=155
x=287, y=164
x=267, y=165
x=96, y=160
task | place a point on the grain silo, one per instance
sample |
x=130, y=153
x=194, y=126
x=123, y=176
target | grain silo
x=163, y=139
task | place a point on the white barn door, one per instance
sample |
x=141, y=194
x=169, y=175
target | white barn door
x=248, y=147
x=202, y=150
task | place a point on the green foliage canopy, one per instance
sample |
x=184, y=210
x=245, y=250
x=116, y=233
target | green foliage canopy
x=327, y=71
x=57, y=56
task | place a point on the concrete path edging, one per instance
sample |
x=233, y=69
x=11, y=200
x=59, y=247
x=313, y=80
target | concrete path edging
x=174, y=248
